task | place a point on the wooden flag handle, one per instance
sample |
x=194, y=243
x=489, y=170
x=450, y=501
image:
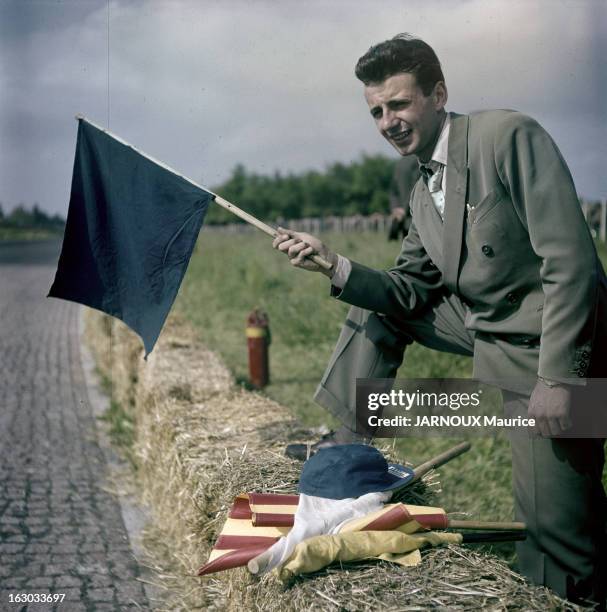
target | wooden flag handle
x=487, y=525
x=264, y=227
x=317, y=259
x=439, y=460
x=258, y=564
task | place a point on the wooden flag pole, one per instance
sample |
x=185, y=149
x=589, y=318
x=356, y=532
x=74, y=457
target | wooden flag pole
x=245, y=216
x=439, y=460
x=488, y=525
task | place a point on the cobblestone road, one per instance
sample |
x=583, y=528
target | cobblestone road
x=60, y=532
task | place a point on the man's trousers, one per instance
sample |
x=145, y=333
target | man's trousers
x=557, y=482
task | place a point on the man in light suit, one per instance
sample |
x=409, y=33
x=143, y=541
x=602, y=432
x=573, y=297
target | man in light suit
x=498, y=264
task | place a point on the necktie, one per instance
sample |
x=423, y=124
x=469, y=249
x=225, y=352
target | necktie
x=433, y=174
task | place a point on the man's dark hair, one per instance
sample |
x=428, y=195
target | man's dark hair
x=403, y=53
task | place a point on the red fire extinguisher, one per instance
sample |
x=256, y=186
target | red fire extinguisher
x=258, y=341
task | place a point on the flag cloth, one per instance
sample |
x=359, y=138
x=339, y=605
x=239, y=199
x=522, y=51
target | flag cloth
x=394, y=546
x=131, y=227
x=317, y=515
x=241, y=540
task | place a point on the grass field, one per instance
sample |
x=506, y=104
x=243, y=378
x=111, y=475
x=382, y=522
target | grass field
x=227, y=279
x=26, y=233
x=230, y=275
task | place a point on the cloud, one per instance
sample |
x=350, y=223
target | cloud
x=206, y=85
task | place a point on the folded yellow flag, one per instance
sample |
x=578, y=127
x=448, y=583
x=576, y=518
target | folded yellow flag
x=315, y=553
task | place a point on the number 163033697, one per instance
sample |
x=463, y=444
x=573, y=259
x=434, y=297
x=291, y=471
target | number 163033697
x=36, y=597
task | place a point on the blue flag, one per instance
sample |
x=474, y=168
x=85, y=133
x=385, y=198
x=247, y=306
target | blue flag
x=131, y=227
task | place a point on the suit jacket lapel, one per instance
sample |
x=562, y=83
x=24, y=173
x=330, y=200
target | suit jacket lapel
x=430, y=226
x=455, y=199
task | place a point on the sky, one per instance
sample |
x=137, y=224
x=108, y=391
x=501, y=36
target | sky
x=204, y=85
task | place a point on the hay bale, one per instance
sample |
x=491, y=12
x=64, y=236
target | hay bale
x=452, y=578
x=201, y=440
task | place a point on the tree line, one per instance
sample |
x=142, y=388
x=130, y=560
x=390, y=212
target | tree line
x=360, y=187
x=35, y=218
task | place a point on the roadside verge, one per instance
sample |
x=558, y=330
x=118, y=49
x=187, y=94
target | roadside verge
x=200, y=440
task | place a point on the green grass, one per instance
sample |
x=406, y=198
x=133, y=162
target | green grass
x=25, y=233
x=230, y=275
x=120, y=423
x=121, y=429
x=601, y=247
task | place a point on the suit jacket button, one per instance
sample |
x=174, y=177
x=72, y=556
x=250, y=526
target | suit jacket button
x=581, y=373
x=487, y=250
x=511, y=297
x=585, y=354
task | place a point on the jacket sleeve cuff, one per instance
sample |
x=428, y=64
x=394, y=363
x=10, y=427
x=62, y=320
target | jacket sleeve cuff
x=341, y=275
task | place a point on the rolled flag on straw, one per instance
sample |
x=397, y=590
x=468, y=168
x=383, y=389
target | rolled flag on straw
x=402, y=517
x=256, y=521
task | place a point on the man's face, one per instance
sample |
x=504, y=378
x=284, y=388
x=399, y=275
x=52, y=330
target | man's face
x=406, y=118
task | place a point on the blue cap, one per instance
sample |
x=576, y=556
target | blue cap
x=350, y=470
